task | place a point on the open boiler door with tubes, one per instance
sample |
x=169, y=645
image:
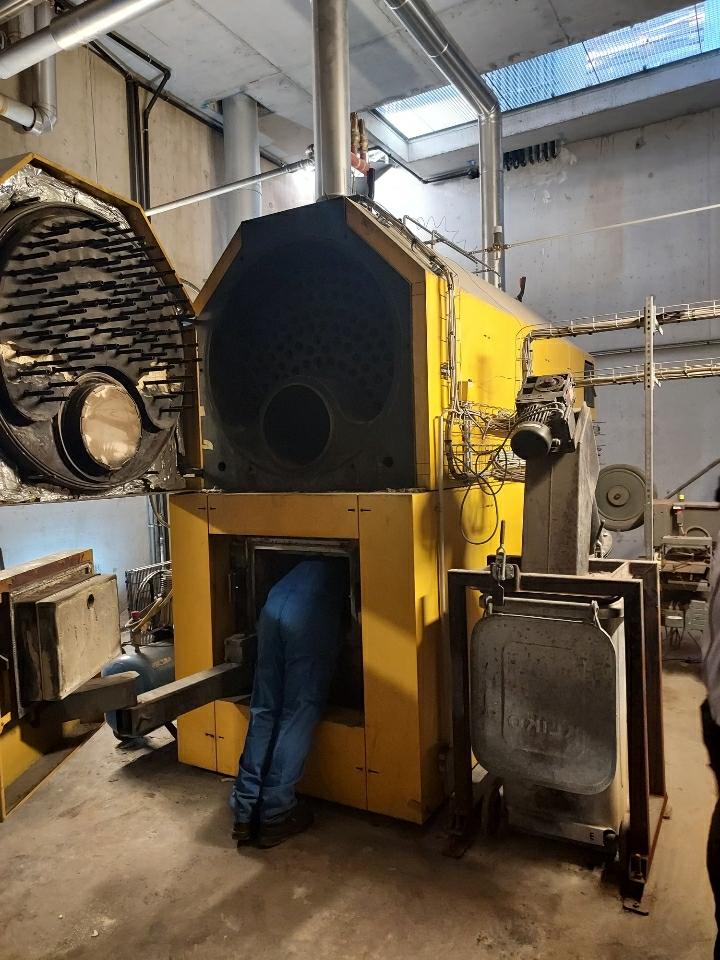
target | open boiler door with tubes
x=98, y=364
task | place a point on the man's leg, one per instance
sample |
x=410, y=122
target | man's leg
x=307, y=681
x=265, y=707
x=311, y=629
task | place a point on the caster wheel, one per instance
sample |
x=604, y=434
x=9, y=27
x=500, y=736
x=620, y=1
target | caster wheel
x=491, y=810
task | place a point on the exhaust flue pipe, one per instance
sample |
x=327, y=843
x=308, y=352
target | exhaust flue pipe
x=89, y=20
x=331, y=98
x=423, y=25
x=45, y=79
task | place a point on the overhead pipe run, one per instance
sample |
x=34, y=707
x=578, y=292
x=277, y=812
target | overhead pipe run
x=305, y=164
x=16, y=112
x=331, y=98
x=423, y=25
x=11, y=8
x=87, y=21
x=40, y=116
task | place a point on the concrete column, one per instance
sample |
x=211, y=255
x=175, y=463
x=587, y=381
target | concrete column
x=242, y=158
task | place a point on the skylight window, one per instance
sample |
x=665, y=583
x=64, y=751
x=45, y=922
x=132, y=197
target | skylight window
x=666, y=39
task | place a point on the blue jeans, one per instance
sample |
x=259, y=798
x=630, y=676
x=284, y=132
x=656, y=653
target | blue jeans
x=298, y=642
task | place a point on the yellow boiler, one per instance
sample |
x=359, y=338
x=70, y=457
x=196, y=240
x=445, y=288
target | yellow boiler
x=352, y=383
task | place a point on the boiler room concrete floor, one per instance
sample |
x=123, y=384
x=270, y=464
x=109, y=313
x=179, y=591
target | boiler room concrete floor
x=127, y=855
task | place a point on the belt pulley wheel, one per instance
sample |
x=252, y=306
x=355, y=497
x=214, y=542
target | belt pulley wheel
x=620, y=496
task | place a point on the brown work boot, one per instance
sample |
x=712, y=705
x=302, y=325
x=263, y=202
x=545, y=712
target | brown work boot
x=295, y=821
x=244, y=833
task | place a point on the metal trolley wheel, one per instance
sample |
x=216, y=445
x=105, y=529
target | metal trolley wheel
x=490, y=806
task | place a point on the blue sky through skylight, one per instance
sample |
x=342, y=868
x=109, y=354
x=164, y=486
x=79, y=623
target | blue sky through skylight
x=666, y=39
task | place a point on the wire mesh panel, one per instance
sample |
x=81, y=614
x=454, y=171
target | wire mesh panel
x=144, y=585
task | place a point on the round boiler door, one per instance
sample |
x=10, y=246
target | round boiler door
x=110, y=426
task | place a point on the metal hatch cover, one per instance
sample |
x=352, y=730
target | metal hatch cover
x=544, y=695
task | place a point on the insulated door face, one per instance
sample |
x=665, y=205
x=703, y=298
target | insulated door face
x=93, y=370
x=308, y=372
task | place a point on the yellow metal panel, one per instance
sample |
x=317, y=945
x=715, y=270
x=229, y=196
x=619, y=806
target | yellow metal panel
x=434, y=735
x=192, y=609
x=196, y=738
x=232, y=724
x=428, y=381
x=489, y=348
x=22, y=744
x=391, y=638
x=325, y=515
x=335, y=769
x=191, y=583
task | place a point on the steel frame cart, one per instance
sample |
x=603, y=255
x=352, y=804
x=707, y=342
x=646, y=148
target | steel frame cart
x=637, y=583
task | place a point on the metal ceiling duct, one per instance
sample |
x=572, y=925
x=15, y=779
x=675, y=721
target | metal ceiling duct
x=89, y=20
x=424, y=26
x=40, y=116
x=331, y=98
x=45, y=79
x=11, y=8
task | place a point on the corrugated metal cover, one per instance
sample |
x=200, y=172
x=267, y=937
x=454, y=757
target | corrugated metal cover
x=544, y=696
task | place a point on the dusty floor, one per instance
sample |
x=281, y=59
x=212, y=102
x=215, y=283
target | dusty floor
x=127, y=854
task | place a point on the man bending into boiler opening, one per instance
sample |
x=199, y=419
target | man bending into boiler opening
x=299, y=634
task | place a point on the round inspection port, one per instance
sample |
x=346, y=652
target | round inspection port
x=297, y=425
x=110, y=425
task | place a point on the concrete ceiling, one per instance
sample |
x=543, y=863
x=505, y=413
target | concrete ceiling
x=263, y=47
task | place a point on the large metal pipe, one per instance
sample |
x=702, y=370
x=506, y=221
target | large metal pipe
x=40, y=116
x=423, y=25
x=331, y=98
x=89, y=20
x=11, y=8
x=44, y=79
x=16, y=112
x=241, y=145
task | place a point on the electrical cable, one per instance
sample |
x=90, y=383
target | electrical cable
x=189, y=283
x=479, y=543
x=160, y=520
x=607, y=226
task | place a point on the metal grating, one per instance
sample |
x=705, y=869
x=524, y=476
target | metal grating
x=685, y=33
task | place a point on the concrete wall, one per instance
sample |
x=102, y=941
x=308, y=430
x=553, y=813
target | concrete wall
x=660, y=168
x=186, y=157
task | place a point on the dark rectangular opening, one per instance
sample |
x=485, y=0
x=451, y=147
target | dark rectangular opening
x=258, y=563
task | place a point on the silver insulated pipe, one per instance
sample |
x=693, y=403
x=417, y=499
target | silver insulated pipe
x=89, y=20
x=331, y=98
x=423, y=25
x=45, y=78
